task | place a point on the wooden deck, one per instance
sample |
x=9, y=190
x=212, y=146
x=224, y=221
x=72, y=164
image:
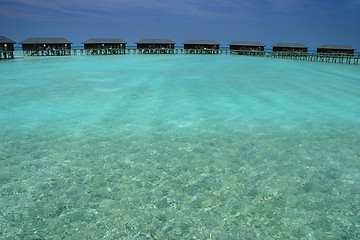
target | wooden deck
x=307, y=56
x=6, y=54
x=74, y=52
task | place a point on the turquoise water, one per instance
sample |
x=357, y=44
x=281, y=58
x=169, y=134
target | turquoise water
x=179, y=147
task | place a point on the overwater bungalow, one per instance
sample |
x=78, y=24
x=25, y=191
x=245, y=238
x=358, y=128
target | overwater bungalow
x=6, y=44
x=40, y=44
x=342, y=49
x=290, y=47
x=201, y=44
x=6, y=48
x=247, y=46
x=155, y=44
x=104, y=43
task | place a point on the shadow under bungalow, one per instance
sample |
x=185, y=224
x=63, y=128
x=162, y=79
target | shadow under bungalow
x=247, y=46
x=6, y=48
x=290, y=47
x=155, y=46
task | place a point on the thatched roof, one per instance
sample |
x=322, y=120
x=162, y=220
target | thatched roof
x=5, y=40
x=252, y=44
x=46, y=41
x=104, y=41
x=155, y=41
x=290, y=45
x=202, y=42
x=338, y=47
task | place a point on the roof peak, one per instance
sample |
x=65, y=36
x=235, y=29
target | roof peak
x=46, y=40
x=5, y=40
x=292, y=45
x=155, y=41
x=333, y=46
x=104, y=40
x=202, y=42
x=246, y=43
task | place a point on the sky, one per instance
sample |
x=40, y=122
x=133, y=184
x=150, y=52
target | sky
x=312, y=22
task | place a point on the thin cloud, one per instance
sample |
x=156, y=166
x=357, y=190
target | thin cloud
x=30, y=10
x=205, y=9
x=199, y=8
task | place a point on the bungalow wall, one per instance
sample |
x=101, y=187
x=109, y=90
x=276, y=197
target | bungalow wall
x=289, y=49
x=247, y=48
x=201, y=46
x=155, y=46
x=44, y=46
x=104, y=46
x=7, y=46
x=341, y=51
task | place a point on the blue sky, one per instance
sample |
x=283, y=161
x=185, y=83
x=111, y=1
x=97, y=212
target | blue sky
x=312, y=22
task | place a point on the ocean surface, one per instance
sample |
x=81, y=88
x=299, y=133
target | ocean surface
x=179, y=147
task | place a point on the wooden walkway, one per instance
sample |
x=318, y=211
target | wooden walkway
x=6, y=54
x=308, y=56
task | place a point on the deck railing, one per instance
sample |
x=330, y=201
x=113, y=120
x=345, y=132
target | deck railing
x=304, y=56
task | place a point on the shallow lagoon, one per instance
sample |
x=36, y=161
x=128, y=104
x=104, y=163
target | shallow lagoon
x=179, y=146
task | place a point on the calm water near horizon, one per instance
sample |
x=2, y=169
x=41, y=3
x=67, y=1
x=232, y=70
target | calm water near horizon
x=179, y=147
